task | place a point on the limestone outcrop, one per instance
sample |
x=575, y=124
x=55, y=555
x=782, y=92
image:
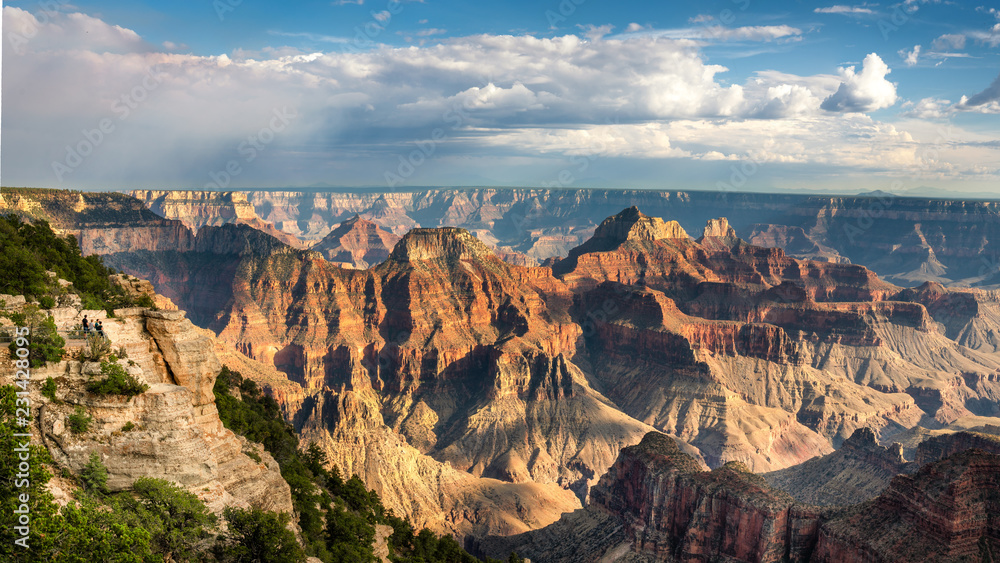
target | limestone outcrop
x=172, y=431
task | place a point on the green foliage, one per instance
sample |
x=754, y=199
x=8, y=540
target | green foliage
x=349, y=536
x=32, y=248
x=49, y=389
x=145, y=301
x=79, y=421
x=44, y=525
x=94, y=476
x=47, y=302
x=98, y=347
x=128, y=427
x=161, y=522
x=92, y=531
x=255, y=535
x=116, y=382
x=178, y=521
x=44, y=343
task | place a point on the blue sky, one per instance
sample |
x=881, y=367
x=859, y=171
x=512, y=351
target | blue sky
x=732, y=95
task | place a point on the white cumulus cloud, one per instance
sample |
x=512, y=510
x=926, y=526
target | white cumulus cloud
x=864, y=91
x=910, y=57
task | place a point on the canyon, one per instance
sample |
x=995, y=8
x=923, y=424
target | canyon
x=484, y=395
x=906, y=240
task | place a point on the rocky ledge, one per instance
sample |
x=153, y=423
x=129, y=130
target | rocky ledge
x=172, y=431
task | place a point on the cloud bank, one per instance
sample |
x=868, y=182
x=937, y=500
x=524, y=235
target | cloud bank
x=511, y=105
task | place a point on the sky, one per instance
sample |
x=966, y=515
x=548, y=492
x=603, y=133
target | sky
x=734, y=95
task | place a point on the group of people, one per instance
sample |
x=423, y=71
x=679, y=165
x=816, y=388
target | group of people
x=98, y=327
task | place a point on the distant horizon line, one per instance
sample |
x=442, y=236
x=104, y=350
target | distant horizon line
x=944, y=195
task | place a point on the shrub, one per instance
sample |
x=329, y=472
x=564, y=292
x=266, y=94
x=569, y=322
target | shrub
x=121, y=352
x=94, y=476
x=47, y=302
x=116, y=382
x=128, y=427
x=79, y=421
x=178, y=520
x=91, y=303
x=45, y=344
x=256, y=535
x=97, y=348
x=49, y=389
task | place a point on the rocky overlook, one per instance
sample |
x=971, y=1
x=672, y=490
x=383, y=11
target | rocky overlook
x=175, y=431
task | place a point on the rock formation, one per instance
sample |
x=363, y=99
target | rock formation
x=946, y=511
x=197, y=209
x=172, y=431
x=939, y=447
x=357, y=243
x=907, y=240
x=441, y=357
x=858, y=471
x=654, y=505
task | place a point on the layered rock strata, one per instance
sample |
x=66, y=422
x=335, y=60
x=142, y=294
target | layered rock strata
x=858, y=471
x=357, y=243
x=172, y=431
x=654, y=505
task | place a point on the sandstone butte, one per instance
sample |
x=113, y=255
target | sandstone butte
x=655, y=504
x=177, y=434
x=357, y=243
x=481, y=397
